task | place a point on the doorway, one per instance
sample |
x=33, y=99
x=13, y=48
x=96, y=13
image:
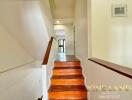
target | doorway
x=61, y=46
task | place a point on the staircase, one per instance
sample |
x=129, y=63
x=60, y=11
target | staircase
x=67, y=82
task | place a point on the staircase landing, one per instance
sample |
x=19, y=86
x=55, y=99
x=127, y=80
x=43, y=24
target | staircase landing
x=65, y=58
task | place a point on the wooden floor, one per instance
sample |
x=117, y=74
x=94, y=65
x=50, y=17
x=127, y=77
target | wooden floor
x=67, y=82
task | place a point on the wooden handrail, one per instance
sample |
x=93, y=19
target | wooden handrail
x=46, y=57
x=114, y=67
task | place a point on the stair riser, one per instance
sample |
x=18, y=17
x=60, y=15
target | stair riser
x=68, y=95
x=67, y=72
x=67, y=82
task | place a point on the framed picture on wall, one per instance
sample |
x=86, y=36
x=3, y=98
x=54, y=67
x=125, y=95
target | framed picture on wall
x=119, y=10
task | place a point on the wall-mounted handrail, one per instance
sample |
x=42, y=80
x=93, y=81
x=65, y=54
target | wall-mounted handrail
x=46, y=57
x=114, y=67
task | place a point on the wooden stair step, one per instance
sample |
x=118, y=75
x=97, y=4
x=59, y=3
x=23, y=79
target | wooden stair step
x=68, y=77
x=67, y=72
x=65, y=64
x=68, y=95
x=62, y=88
x=58, y=68
x=67, y=82
x=67, y=92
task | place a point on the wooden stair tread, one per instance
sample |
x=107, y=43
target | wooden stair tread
x=66, y=95
x=58, y=68
x=67, y=77
x=66, y=64
x=63, y=88
x=63, y=72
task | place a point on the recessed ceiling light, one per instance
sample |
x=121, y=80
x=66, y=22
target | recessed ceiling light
x=58, y=22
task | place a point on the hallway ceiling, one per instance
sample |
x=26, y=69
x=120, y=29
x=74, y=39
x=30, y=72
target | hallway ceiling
x=63, y=10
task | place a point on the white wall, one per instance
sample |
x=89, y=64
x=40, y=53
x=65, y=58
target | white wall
x=23, y=83
x=26, y=22
x=24, y=36
x=95, y=74
x=45, y=5
x=108, y=43
x=98, y=75
x=69, y=39
x=11, y=53
x=111, y=36
x=81, y=34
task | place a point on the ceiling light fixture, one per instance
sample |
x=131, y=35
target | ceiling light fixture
x=58, y=22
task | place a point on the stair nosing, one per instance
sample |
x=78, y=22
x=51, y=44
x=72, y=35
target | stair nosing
x=67, y=77
x=68, y=88
x=76, y=67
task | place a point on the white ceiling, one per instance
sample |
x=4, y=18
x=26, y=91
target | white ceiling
x=62, y=9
